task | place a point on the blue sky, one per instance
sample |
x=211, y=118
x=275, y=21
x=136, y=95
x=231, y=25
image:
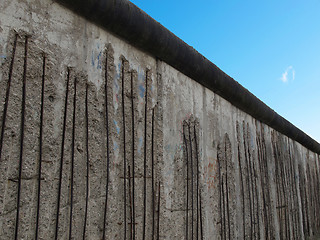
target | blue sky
x=271, y=47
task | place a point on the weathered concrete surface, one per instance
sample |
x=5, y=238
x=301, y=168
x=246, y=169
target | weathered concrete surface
x=125, y=146
x=129, y=22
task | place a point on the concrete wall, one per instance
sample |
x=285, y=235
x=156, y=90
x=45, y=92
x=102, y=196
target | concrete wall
x=100, y=140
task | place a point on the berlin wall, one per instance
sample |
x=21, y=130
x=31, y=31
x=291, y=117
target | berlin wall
x=111, y=127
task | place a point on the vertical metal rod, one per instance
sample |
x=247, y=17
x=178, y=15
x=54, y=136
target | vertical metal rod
x=152, y=158
x=257, y=199
x=40, y=146
x=197, y=164
x=145, y=160
x=132, y=152
x=314, y=202
x=306, y=197
x=248, y=177
x=280, y=193
x=282, y=171
x=294, y=196
x=199, y=212
x=271, y=230
x=22, y=134
x=187, y=162
x=262, y=180
x=88, y=165
x=310, y=198
x=305, y=201
x=124, y=157
x=290, y=200
x=5, y=107
x=220, y=196
x=62, y=155
x=201, y=224
x=158, y=227
x=191, y=162
x=242, y=185
x=106, y=102
x=130, y=196
x=301, y=193
x=224, y=211
x=266, y=196
x=252, y=187
x=227, y=190
x=275, y=151
x=308, y=201
x=291, y=191
x=296, y=199
x=72, y=155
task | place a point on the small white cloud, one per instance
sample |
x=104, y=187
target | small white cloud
x=288, y=75
x=284, y=77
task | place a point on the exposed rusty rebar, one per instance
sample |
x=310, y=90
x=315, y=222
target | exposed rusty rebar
x=6, y=102
x=23, y=106
x=88, y=164
x=152, y=175
x=145, y=160
x=187, y=163
x=40, y=146
x=133, y=160
x=124, y=157
x=72, y=156
x=192, y=173
x=106, y=102
x=62, y=154
x=158, y=226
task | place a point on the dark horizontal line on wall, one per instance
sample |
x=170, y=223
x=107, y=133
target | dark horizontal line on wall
x=129, y=22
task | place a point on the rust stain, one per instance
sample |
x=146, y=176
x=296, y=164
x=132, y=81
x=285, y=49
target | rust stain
x=210, y=173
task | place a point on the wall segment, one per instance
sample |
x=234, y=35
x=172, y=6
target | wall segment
x=129, y=22
x=103, y=140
